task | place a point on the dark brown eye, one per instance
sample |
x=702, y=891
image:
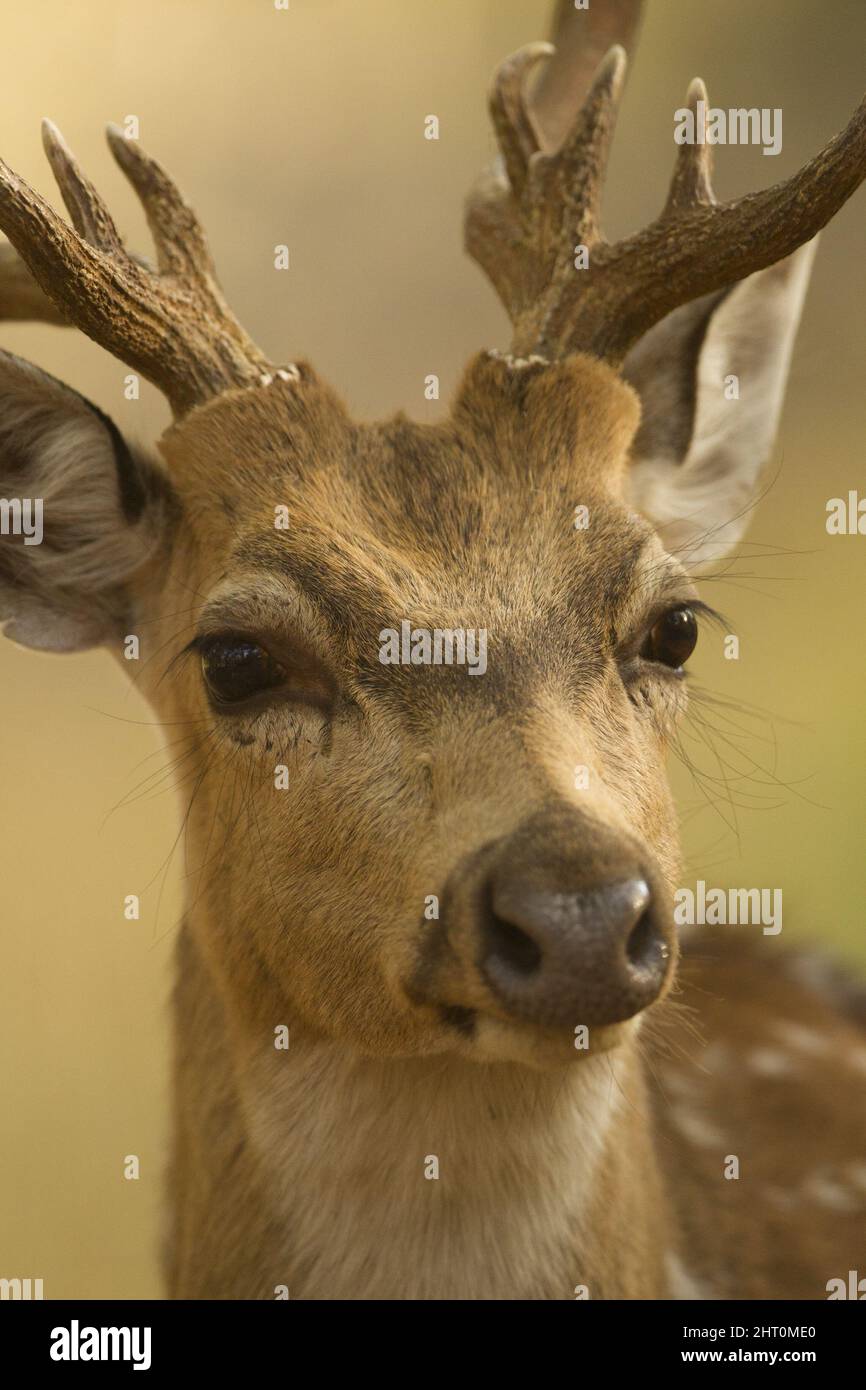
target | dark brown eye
x=672, y=639
x=236, y=669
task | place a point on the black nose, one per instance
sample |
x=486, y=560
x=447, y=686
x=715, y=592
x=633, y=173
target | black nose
x=597, y=955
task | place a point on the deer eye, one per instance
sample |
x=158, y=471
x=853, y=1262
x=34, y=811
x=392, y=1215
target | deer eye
x=235, y=669
x=672, y=639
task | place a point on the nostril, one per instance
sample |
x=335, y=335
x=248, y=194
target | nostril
x=641, y=944
x=644, y=948
x=595, y=955
x=512, y=946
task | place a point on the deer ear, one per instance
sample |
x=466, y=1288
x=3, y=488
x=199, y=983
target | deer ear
x=711, y=378
x=79, y=514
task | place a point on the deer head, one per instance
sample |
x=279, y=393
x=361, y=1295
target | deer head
x=427, y=874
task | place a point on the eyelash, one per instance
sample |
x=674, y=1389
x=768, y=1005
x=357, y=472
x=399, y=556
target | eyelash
x=630, y=658
x=635, y=667
x=632, y=643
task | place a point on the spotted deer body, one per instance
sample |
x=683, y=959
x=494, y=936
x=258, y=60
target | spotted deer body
x=430, y=1037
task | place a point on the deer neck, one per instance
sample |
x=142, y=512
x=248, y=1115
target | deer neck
x=405, y=1178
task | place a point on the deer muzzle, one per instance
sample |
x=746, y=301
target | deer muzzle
x=561, y=924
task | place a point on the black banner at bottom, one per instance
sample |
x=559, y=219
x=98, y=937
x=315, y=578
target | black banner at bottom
x=81, y=1338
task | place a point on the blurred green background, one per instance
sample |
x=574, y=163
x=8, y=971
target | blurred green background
x=306, y=128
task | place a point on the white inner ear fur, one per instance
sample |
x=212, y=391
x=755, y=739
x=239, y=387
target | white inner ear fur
x=701, y=504
x=65, y=593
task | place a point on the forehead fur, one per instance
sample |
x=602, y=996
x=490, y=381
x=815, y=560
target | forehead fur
x=466, y=523
x=518, y=436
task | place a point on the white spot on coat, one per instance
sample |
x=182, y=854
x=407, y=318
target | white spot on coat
x=828, y=1192
x=682, y=1282
x=807, y=1040
x=717, y=1058
x=769, y=1062
x=696, y=1129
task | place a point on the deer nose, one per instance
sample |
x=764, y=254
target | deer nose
x=596, y=955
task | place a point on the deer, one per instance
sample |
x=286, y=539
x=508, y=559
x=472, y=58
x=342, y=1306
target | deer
x=436, y=1033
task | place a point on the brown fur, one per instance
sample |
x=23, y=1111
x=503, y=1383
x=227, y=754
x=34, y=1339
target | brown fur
x=305, y=1168
x=560, y=1173
x=776, y=1077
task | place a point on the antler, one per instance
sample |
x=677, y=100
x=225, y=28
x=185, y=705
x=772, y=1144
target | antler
x=581, y=39
x=172, y=325
x=20, y=296
x=523, y=225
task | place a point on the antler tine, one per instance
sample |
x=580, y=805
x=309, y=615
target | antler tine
x=524, y=240
x=691, y=184
x=698, y=246
x=90, y=217
x=50, y=249
x=515, y=132
x=581, y=162
x=519, y=224
x=581, y=39
x=177, y=234
x=173, y=326
x=524, y=235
